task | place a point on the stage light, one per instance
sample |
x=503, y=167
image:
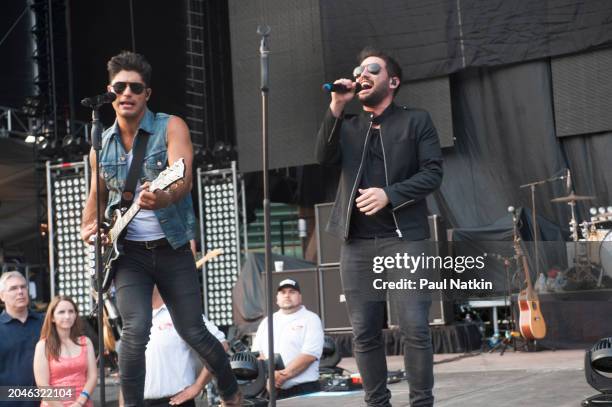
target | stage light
x=330, y=356
x=67, y=190
x=597, y=363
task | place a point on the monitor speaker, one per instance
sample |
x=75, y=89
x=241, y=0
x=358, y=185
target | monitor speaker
x=328, y=246
x=441, y=311
x=334, y=313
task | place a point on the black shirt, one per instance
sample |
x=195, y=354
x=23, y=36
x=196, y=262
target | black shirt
x=381, y=224
x=17, y=343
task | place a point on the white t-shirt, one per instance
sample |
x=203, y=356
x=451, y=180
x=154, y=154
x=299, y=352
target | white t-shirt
x=171, y=363
x=300, y=332
x=145, y=225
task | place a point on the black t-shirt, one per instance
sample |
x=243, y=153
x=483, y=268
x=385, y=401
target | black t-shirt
x=381, y=224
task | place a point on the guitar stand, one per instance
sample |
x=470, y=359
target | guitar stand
x=510, y=338
x=509, y=341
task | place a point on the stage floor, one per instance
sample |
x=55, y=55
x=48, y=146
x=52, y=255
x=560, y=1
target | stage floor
x=538, y=379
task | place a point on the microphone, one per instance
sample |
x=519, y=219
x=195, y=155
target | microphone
x=511, y=209
x=568, y=181
x=98, y=100
x=339, y=88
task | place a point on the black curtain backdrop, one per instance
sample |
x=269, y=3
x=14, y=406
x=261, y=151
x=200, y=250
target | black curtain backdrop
x=504, y=129
x=505, y=136
x=437, y=37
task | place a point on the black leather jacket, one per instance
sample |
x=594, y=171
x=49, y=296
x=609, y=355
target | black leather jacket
x=412, y=158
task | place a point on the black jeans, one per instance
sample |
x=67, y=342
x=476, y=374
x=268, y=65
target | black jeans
x=174, y=273
x=366, y=308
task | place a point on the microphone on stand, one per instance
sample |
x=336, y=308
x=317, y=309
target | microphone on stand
x=339, y=88
x=98, y=100
x=568, y=181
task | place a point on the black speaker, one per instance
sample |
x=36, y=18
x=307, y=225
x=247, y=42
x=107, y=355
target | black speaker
x=334, y=313
x=328, y=246
x=582, y=85
x=433, y=95
x=308, y=280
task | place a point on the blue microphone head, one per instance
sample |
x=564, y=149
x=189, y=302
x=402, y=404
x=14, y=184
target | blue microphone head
x=327, y=87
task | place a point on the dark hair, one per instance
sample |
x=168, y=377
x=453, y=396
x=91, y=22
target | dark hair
x=129, y=61
x=393, y=68
x=49, y=331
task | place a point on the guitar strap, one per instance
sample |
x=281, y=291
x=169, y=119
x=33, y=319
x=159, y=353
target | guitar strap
x=135, y=169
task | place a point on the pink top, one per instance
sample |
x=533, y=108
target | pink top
x=70, y=372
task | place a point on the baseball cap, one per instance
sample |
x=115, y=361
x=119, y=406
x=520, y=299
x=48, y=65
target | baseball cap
x=288, y=282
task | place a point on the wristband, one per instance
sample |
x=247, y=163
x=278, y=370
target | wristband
x=87, y=395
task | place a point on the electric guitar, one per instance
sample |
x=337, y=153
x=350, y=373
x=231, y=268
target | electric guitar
x=209, y=256
x=114, y=247
x=531, y=321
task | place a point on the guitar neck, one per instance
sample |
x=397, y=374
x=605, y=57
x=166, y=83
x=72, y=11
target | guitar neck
x=525, y=266
x=527, y=275
x=125, y=220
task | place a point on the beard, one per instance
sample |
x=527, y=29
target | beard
x=374, y=98
x=288, y=307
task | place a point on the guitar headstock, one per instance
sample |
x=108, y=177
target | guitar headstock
x=169, y=176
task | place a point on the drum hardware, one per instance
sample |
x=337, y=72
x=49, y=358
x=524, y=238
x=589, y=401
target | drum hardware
x=532, y=187
x=571, y=200
x=587, y=265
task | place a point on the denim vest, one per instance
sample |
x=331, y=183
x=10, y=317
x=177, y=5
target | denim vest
x=178, y=220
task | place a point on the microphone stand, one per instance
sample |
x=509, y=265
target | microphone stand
x=532, y=187
x=264, y=32
x=96, y=145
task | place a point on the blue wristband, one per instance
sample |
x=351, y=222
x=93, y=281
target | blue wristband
x=84, y=393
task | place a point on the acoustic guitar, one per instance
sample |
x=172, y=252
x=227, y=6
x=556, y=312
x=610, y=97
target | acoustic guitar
x=531, y=321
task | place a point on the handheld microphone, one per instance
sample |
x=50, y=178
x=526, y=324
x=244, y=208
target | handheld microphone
x=98, y=100
x=339, y=88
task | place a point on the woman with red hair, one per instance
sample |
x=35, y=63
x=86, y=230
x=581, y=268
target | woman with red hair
x=64, y=357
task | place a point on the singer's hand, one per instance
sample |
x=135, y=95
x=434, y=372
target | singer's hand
x=339, y=100
x=371, y=200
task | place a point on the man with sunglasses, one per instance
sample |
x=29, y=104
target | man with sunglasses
x=391, y=160
x=156, y=244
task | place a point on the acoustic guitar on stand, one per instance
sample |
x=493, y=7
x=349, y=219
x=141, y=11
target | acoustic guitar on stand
x=531, y=321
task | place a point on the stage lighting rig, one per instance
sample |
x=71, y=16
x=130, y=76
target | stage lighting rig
x=252, y=372
x=33, y=106
x=68, y=256
x=597, y=369
x=203, y=158
x=330, y=357
x=219, y=210
x=223, y=154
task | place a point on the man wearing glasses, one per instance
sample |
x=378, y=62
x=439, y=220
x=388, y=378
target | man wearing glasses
x=391, y=160
x=156, y=243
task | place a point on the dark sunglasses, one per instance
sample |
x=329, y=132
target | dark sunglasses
x=136, y=87
x=372, y=68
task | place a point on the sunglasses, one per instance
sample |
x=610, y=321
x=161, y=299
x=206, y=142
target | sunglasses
x=136, y=87
x=372, y=68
